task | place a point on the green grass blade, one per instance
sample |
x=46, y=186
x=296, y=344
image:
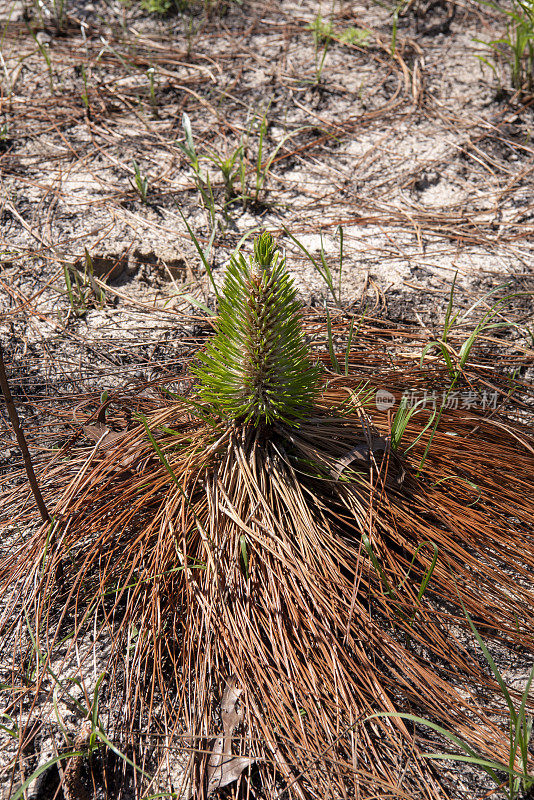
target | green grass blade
x=20, y=793
x=340, y=263
x=421, y=433
x=428, y=574
x=489, y=767
x=448, y=323
x=349, y=344
x=244, y=553
x=333, y=358
x=104, y=739
x=367, y=544
x=202, y=255
x=492, y=665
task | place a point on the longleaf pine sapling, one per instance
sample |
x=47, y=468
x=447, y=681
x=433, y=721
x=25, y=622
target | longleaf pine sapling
x=257, y=369
x=265, y=527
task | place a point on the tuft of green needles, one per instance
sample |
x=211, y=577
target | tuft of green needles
x=257, y=368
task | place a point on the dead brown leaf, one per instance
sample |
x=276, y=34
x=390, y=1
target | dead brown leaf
x=223, y=767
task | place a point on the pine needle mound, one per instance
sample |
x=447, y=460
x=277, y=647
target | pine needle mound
x=288, y=547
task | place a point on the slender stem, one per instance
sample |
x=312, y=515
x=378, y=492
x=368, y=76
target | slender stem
x=21, y=439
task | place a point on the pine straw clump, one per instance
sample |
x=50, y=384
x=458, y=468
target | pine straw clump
x=290, y=555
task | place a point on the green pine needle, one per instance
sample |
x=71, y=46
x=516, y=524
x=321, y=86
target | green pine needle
x=257, y=368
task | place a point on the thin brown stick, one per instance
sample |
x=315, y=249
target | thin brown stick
x=21, y=440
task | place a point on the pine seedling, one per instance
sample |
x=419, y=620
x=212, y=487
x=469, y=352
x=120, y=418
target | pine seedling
x=263, y=529
x=257, y=369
